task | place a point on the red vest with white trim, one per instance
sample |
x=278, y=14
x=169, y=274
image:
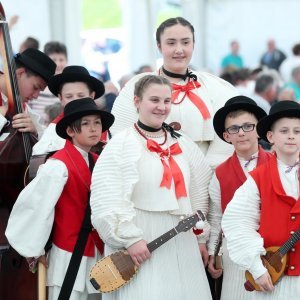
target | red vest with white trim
x=71, y=206
x=231, y=175
x=280, y=213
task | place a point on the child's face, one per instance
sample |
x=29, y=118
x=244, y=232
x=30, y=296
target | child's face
x=74, y=90
x=61, y=61
x=245, y=143
x=91, y=130
x=30, y=86
x=285, y=136
x=155, y=105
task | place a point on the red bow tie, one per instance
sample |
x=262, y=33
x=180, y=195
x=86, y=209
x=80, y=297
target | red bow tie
x=171, y=171
x=187, y=89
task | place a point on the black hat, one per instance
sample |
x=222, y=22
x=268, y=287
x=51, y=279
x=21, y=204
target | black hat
x=37, y=62
x=76, y=109
x=282, y=109
x=74, y=74
x=233, y=104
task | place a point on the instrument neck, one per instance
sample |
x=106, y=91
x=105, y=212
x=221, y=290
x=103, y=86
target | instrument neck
x=289, y=244
x=162, y=239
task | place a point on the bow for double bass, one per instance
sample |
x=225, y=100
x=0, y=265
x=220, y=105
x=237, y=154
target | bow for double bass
x=275, y=262
x=113, y=271
x=218, y=252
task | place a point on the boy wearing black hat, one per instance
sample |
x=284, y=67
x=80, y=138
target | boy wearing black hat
x=73, y=83
x=265, y=210
x=234, y=123
x=33, y=71
x=57, y=198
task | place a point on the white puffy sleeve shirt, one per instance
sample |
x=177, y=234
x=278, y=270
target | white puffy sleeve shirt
x=241, y=221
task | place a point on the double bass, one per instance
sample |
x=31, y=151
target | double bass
x=16, y=282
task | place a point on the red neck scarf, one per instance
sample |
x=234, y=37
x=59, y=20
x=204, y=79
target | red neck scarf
x=187, y=90
x=171, y=171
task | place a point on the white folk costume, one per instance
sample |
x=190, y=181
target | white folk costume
x=194, y=104
x=263, y=213
x=229, y=176
x=56, y=201
x=129, y=205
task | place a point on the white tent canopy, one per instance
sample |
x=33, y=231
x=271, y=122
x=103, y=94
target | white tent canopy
x=216, y=22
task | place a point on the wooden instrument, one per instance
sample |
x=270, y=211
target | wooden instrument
x=113, y=271
x=16, y=282
x=275, y=262
x=218, y=252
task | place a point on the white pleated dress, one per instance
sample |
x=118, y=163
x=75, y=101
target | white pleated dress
x=128, y=205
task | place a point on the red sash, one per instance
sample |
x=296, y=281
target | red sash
x=171, y=171
x=195, y=99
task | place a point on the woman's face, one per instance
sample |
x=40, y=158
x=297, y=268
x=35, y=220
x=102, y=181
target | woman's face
x=176, y=46
x=155, y=105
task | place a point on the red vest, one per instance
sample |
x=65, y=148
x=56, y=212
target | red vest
x=231, y=175
x=280, y=214
x=71, y=206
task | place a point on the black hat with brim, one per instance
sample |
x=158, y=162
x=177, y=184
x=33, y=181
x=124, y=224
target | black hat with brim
x=75, y=74
x=37, y=62
x=234, y=104
x=79, y=108
x=282, y=109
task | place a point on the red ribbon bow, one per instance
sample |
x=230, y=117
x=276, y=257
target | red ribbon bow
x=171, y=171
x=187, y=89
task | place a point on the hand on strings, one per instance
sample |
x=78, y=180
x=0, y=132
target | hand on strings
x=23, y=123
x=265, y=282
x=3, y=110
x=215, y=273
x=204, y=254
x=139, y=252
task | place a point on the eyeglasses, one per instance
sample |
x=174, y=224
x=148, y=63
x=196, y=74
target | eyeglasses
x=236, y=129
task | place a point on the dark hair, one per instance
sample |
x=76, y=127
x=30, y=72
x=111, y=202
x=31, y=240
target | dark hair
x=30, y=42
x=145, y=81
x=53, y=110
x=55, y=47
x=263, y=82
x=296, y=49
x=171, y=22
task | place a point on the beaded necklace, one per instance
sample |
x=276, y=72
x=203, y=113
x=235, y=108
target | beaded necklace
x=146, y=135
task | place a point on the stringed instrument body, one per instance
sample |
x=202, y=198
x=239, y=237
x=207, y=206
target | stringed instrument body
x=275, y=261
x=16, y=282
x=114, y=271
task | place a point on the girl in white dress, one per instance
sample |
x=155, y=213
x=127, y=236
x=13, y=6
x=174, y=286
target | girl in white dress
x=146, y=178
